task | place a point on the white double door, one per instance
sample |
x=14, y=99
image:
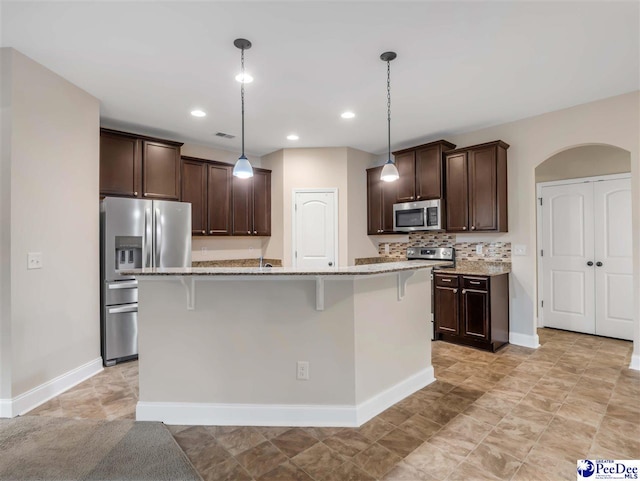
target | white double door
x=587, y=257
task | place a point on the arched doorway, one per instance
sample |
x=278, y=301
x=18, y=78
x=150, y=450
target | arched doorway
x=584, y=255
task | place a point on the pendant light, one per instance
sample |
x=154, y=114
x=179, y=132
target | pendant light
x=242, y=169
x=389, y=171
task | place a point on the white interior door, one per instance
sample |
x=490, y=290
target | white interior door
x=315, y=229
x=568, y=247
x=613, y=258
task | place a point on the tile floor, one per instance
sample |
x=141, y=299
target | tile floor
x=519, y=414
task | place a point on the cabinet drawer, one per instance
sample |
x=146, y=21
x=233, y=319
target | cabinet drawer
x=476, y=283
x=446, y=281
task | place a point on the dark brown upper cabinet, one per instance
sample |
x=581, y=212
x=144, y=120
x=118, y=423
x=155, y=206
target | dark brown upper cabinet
x=380, y=199
x=420, y=170
x=476, y=188
x=138, y=166
x=251, y=205
x=207, y=186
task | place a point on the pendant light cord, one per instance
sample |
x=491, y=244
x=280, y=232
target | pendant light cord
x=242, y=95
x=389, y=108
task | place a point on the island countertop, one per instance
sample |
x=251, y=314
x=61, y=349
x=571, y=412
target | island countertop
x=361, y=270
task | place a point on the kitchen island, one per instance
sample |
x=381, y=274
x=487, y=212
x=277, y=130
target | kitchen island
x=229, y=346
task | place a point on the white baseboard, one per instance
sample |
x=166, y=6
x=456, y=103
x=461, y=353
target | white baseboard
x=524, y=340
x=39, y=395
x=184, y=413
x=635, y=362
x=387, y=398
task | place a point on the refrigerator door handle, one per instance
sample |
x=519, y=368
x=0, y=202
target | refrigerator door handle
x=120, y=310
x=123, y=285
x=148, y=234
x=158, y=243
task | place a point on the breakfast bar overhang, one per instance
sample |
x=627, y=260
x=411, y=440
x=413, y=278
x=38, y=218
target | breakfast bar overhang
x=221, y=346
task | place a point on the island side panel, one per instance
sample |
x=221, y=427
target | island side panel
x=392, y=337
x=242, y=342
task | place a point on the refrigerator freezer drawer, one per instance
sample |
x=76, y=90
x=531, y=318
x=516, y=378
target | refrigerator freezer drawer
x=120, y=331
x=124, y=292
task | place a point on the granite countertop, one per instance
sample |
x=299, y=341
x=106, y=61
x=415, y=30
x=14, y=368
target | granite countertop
x=237, y=263
x=362, y=270
x=478, y=268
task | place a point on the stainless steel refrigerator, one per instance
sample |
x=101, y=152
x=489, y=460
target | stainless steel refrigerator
x=135, y=233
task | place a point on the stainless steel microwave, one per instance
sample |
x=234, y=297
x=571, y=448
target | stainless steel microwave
x=417, y=216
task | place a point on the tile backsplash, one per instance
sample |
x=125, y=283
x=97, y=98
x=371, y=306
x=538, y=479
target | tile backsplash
x=491, y=251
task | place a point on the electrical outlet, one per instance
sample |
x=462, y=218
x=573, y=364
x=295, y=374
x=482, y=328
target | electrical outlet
x=302, y=368
x=519, y=250
x=386, y=248
x=478, y=248
x=34, y=260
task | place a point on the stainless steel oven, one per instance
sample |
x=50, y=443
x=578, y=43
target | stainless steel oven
x=417, y=216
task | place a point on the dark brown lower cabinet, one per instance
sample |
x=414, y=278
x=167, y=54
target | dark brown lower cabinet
x=472, y=310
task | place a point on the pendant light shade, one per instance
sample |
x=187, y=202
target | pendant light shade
x=242, y=169
x=389, y=171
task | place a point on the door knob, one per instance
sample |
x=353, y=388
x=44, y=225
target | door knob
x=599, y=264
x=590, y=263
x=330, y=264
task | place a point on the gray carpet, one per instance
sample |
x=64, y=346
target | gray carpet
x=55, y=449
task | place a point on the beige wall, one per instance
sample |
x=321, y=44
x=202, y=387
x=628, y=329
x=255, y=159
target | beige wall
x=613, y=121
x=314, y=169
x=584, y=161
x=54, y=312
x=273, y=246
x=359, y=243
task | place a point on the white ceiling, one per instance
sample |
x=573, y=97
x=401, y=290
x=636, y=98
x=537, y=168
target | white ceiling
x=461, y=65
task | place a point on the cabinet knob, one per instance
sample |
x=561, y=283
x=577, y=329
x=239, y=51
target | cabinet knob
x=473, y=227
x=418, y=197
x=411, y=197
x=136, y=194
x=464, y=291
x=464, y=227
x=204, y=232
x=255, y=231
x=249, y=232
x=455, y=291
x=210, y=232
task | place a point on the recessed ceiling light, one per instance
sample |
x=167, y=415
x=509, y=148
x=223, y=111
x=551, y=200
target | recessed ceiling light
x=292, y=137
x=246, y=78
x=347, y=115
x=198, y=113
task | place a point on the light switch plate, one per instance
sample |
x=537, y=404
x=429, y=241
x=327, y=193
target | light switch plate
x=34, y=260
x=519, y=250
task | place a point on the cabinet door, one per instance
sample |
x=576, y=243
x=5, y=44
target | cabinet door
x=457, y=193
x=406, y=184
x=161, y=171
x=446, y=310
x=475, y=314
x=388, y=198
x=120, y=165
x=194, y=191
x=374, y=201
x=219, y=199
x=483, y=202
x=241, y=206
x=429, y=173
x=261, y=203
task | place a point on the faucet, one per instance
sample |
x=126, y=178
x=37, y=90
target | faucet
x=261, y=261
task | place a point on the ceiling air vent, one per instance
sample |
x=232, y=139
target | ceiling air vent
x=225, y=136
